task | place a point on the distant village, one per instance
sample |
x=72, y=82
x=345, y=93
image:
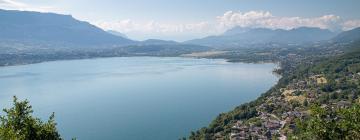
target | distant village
x=293, y=101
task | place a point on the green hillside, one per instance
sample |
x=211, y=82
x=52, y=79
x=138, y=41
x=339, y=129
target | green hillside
x=328, y=86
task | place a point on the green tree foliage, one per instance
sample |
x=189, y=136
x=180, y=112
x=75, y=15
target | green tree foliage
x=306, y=103
x=19, y=124
x=224, y=122
x=329, y=123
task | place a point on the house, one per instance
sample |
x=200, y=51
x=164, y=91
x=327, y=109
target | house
x=272, y=124
x=321, y=80
x=343, y=104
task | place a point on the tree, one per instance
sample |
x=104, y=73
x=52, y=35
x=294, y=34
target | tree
x=19, y=124
x=328, y=123
x=306, y=103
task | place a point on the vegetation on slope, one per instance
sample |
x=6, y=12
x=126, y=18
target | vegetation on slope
x=331, y=82
x=327, y=124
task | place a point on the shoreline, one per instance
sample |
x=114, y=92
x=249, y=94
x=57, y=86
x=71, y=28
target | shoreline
x=180, y=56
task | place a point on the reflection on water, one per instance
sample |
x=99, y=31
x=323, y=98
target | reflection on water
x=21, y=74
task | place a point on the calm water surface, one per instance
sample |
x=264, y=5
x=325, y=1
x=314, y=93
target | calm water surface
x=136, y=97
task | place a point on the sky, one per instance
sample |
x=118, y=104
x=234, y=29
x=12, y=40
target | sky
x=182, y=20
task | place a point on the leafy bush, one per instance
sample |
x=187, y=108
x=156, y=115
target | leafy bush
x=19, y=124
x=329, y=123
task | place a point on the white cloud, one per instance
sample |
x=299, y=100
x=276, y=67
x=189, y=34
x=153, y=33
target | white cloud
x=11, y=3
x=266, y=19
x=351, y=24
x=128, y=25
x=16, y=5
x=228, y=20
x=152, y=29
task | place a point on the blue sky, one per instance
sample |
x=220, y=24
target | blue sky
x=186, y=19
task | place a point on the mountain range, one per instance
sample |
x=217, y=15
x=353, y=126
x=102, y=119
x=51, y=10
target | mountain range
x=64, y=30
x=54, y=28
x=239, y=36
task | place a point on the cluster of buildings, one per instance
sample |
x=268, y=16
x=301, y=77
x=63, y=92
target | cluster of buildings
x=277, y=115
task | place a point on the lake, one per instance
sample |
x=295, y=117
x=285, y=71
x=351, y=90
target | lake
x=132, y=98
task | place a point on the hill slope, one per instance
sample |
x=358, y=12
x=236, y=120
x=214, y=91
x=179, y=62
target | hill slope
x=54, y=28
x=289, y=109
x=113, y=32
x=348, y=36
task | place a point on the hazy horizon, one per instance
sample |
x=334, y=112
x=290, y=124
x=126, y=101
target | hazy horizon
x=183, y=20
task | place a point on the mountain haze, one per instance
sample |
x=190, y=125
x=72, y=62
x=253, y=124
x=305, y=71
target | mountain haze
x=117, y=33
x=158, y=42
x=54, y=28
x=238, y=36
x=348, y=36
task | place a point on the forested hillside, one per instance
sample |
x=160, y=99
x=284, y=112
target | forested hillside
x=317, y=99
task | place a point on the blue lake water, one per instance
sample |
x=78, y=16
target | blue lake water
x=133, y=98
